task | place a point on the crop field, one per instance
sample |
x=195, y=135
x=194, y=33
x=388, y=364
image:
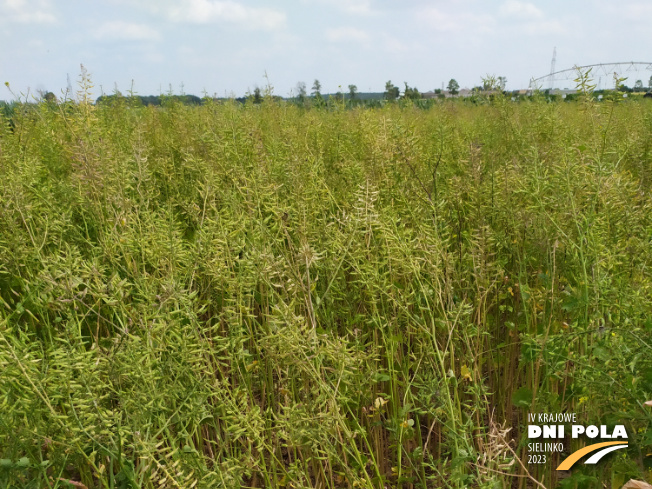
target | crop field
x=266, y=295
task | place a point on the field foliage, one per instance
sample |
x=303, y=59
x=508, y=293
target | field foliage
x=272, y=296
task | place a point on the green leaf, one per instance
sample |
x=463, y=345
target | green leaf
x=522, y=397
x=601, y=354
x=23, y=462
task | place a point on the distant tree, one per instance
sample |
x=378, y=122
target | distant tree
x=453, y=87
x=339, y=96
x=649, y=83
x=189, y=100
x=316, y=93
x=46, y=96
x=502, y=82
x=437, y=91
x=391, y=92
x=638, y=86
x=490, y=83
x=258, y=98
x=316, y=88
x=411, y=93
x=165, y=100
x=301, y=91
x=151, y=100
x=353, y=90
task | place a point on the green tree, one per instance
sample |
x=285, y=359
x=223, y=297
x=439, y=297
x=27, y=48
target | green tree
x=453, y=87
x=638, y=86
x=411, y=93
x=353, y=90
x=490, y=83
x=316, y=88
x=316, y=93
x=502, y=82
x=391, y=92
x=649, y=83
x=258, y=98
x=301, y=92
x=339, y=96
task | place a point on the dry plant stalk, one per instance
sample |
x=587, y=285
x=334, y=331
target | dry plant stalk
x=497, y=447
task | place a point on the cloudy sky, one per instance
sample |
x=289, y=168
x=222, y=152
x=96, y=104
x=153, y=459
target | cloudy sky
x=225, y=47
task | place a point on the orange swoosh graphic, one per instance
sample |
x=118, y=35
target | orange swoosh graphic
x=575, y=456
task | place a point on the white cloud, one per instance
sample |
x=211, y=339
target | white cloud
x=359, y=7
x=26, y=11
x=457, y=22
x=521, y=10
x=207, y=11
x=363, y=7
x=212, y=11
x=543, y=27
x=529, y=20
x=352, y=6
x=346, y=34
x=395, y=45
x=126, y=31
x=632, y=11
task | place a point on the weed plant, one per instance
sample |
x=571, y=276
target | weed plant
x=272, y=296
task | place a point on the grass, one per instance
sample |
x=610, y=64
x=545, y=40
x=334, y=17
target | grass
x=271, y=296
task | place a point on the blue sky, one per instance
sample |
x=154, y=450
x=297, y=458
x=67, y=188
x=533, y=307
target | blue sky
x=225, y=47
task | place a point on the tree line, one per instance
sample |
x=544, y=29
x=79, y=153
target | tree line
x=316, y=98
